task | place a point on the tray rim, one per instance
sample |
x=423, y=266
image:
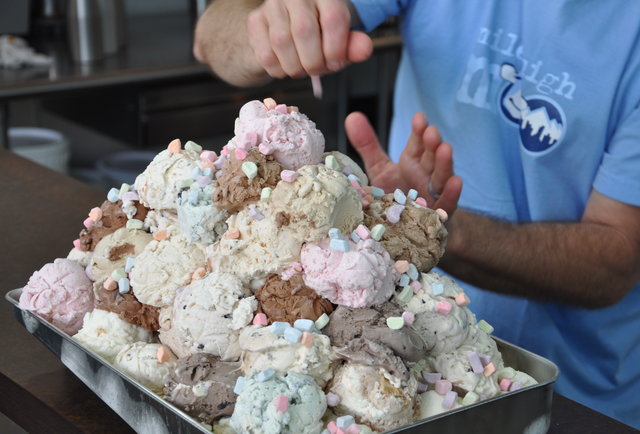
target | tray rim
x=13, y=297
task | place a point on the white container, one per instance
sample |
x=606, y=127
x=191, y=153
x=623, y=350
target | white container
x=47, y=147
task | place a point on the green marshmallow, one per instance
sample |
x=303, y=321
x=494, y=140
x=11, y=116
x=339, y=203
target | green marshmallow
x=135, y=224
x=377, y=231
x=265, y=194
x=395, y=322
x=406, y=294
x=331, y=162
x=485, y=326
x=250, y=169
x=322, y=321
x=118, y=274
x=192, y=146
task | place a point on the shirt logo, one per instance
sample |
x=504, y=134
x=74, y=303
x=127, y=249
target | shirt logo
x=540, y=120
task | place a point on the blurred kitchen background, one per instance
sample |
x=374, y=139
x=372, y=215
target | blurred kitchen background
x=120, y=82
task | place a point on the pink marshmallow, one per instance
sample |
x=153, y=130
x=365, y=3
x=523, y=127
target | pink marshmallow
x=88, y=222
x=332, y=399
x=288, y=175
x=282, y=403
x=363, y=232
x=421, y=201
x=76, y=244
x=307, y=339
x=282, y=108
x=260, y=319
x=409, y=317
x=444, y=307
x=417, y=286
x=265, y=149
x=241, y=154
x=443, y=386
x=505, y=384
x=209, y=156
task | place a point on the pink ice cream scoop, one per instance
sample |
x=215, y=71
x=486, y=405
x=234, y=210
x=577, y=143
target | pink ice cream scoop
x=61, y=293
x=362, y=276
x=292, y=139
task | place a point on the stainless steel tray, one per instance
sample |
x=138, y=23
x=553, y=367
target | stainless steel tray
x=527, y=410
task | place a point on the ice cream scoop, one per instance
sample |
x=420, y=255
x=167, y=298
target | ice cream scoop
x=419, y=236
x=286, y=134
x=112, y=218
x=263, y=349
x=235, y=190
x=358, y=275
x=127, y=306
x=113, y=250
x=61, y=293
x=289, y=300
x=160, y=183
x=202, y=385
x=288, y=403
x=373, y=396
x=163, y=267
x=347, y=324
x=106, y=334
x=148, y=363
x=318, y=199
x=207, y=316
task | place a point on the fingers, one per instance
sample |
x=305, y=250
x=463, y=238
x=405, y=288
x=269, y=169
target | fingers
x=414, y=147
x=443, y=167
x=364, y=140
x=305, y=37
x=451, y=191
x=334, y=19
x=360, y=47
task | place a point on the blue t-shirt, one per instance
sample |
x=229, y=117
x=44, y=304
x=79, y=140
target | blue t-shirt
x=540, y=101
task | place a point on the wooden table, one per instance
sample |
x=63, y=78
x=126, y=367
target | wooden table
x=41, y=212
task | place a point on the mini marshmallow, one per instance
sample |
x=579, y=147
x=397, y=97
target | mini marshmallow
x=278, y=327
x=335, y=233
x=505, y=384
x=77, y=244
x=449, y=400
x=239, y=386
x=470, y=398
x=192, y=146
x=331, y=162
x=265, y=194
x=265, y=375
x=462, y=300
x=95, y=214
x=303, y=324
x=332, y=399
x=412, y=194
x=163, y=354
x=110, y=284
x=437, y=289
x=130, y=196
x=413, y=272
x=118, y=274
x=355, y=237
x=444, y=307
x=282, y=403
x=123, y=285
x=431, y=377
x=288, y=175
x=345, y=421
x=129, y=263
x=269, y=103
x=406, y=294
x=474, y=361
x=409, y=317
x=489, y=369
x=395, y=322
x=174, y=146
x=402, y=266
x=393, y=213
x=232, y=234
x=160, y=235
x=442, y=214
x=485, y=327
x=378, y=231
x=113, y=195
x=135, y=224
x=240, y=154
x=250, y=169
x=292, y=334
x=443, y=386
x=399, y=196
x=340, y=245
x=208, y=156
x=421, y=201
x=88, y=222
x=322, y=321
x=307, y=339
x=260, y=319
x=377, y=192
x=363, y=232
x=416, y=285
x=255, y=213
x=404, y=280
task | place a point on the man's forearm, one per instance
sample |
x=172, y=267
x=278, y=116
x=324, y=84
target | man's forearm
x=585, y=264
x=221, y=41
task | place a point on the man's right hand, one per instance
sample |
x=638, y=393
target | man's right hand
x=297, y=38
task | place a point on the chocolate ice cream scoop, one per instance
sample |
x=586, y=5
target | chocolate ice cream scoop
x=289, y=300
x=113, y=218
x=235, y=190
x=419, y=237
x=347, y=324
x=127, y=307
x=202, y=385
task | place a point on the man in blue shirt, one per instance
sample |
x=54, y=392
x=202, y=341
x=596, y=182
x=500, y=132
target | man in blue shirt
x=541, y=103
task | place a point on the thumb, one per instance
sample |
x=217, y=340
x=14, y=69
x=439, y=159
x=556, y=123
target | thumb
x=365, y=142
x=359, y=47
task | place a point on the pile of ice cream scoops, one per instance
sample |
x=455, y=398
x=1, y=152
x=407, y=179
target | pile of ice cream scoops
x=270, y=289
